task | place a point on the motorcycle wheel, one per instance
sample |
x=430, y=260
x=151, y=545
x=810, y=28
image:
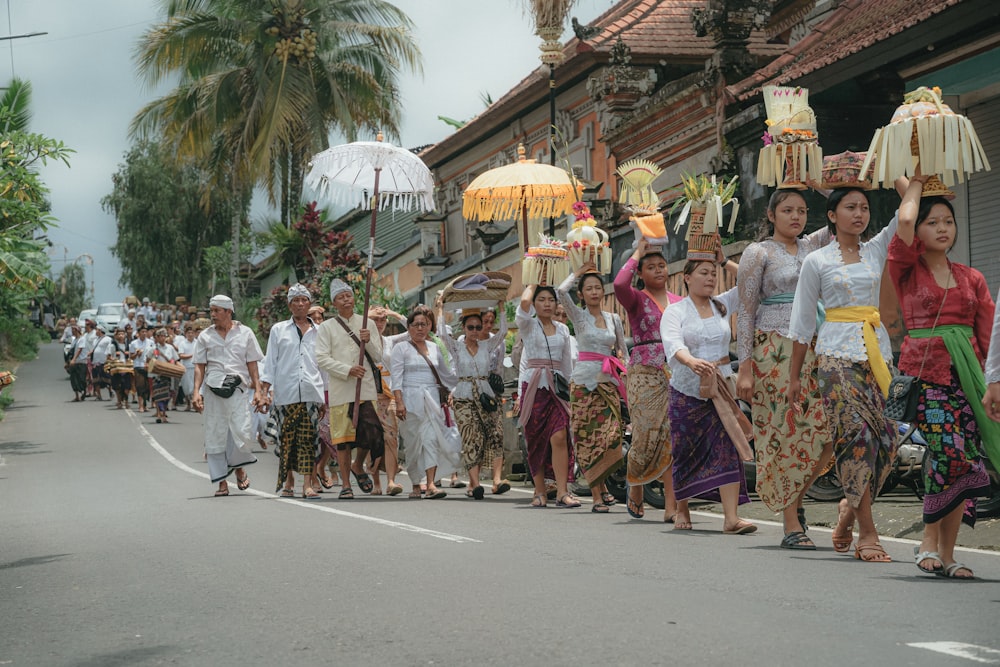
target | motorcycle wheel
x=652, y=494
x=826, y=489
x=988, y=508
x=616, y=484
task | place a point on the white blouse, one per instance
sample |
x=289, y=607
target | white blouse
x=590, y=338
x=825, y=276
x=467, y=366
x=682, y=328
x=534, y=341
x=993, y=358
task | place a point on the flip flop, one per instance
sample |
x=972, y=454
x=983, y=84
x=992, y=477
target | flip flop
x=742, y=528
x=364, y=481
x=635, y=509
x=325, y=482
x=222, y=492
x=312, y=495
x=925, y=555
x=600, y=508
x=573, y=502
x=395, y=489
x=287, y=493
x=501, y=488
x=243, y=484
x=437, y=495
x=477, y=492
x=797, y=540
x=949, y=572
x=458, y=484
x=608, y=499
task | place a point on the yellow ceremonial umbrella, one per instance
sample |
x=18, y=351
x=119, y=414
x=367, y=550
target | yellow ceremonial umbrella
x=524, y=189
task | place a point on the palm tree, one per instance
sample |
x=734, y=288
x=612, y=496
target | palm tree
x=267, y=81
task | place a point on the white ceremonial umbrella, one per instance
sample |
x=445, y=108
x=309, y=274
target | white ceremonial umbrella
x=374, y=175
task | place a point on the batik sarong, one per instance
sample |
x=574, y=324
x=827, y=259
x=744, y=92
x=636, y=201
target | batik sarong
x=864, y=442
x=547, y=417
x=649, y=455
x=161, y=392
x=596, y=427
x=481, y=431
x=298, y=428
x=788, y=444
x=705, y=457
x=954, y=471
x=369, y=434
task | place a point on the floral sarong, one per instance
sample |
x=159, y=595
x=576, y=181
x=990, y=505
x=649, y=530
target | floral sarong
x=298, y=430
x=481, y=431
x=596, y=426
x=649, y=455
x=864, y=442
x=954, y=472
x=788, y=444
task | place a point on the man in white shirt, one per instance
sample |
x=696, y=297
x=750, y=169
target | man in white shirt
x=102, y=348
x=290, y=371
x=185, y=351
x=137, y=352
x=225, y=362
x=337, y=349
x=128, y=319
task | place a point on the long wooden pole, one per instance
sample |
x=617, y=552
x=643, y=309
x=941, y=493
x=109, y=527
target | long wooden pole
x=368, y=293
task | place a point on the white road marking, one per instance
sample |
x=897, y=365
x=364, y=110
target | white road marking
x=302, y=503
x=988, y=656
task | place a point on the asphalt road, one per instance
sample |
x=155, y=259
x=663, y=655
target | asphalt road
x=114, y=552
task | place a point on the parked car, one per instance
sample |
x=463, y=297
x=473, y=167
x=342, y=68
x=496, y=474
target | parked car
x=87, y=314
x=109, y=315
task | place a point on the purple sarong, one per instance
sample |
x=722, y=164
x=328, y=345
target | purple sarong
x=705, y=457
x=548, y=417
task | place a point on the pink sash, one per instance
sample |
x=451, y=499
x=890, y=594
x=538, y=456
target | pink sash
x=609, y=366
x=528, y=399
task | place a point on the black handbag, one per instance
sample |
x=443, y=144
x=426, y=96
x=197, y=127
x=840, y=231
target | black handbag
x=901, y=403
x=561, y=387
x=904, y=390
x=496, y=383
x=489, y=403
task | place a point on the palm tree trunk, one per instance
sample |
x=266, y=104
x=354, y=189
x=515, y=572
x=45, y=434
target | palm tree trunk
x=296, y=180
x=285, y=194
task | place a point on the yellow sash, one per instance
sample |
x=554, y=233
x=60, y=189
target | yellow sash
x=870, y=320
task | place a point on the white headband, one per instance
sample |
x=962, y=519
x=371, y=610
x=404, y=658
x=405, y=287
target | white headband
x=222, y=301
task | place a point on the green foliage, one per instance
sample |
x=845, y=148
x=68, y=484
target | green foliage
x=266, y=82
x=19, y=338
x=69, y=290
x=163, y=224
x=217, y=260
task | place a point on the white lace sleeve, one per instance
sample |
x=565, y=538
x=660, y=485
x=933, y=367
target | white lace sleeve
x=803, y=321
x=993, y=358
x=749, y=283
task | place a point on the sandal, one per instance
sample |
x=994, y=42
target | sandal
x=287, y=493
x=395, y=489
x=310, y=494
x=416, y=495
x=243, y=484
x=538, y=501
x=608, y=499
x=927, y=555
x=346, y=494
x=635, y=509
x=871, y=553
x=479, y=492
x=797, y=540
x=568, y=501
x=501, y=488
x=600, y=508
x=950, y=572
x=364, y=481
x=841, y=543
x=743, y=527
x=223, y=490
x=324, y=480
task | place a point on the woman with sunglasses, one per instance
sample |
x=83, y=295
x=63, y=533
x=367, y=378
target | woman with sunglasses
x=480, y=426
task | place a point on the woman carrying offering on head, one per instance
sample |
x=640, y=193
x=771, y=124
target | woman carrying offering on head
x=707, y=431
x=648, y=377
x=852, y=347
x=544, y=416
x=791, y=449
x=480, y=428
x=948, y=313
x=597, y=388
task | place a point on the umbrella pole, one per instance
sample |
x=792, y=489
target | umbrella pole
x=368, y=293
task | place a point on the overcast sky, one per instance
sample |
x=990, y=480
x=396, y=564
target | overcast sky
x=86, y=92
